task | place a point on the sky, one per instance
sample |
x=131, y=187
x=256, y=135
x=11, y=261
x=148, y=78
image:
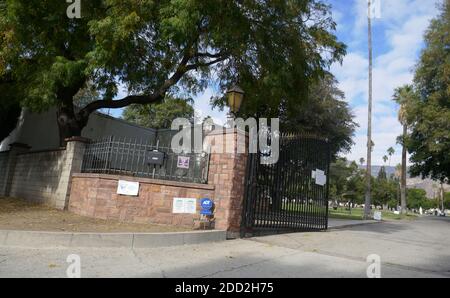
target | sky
x=398, y=31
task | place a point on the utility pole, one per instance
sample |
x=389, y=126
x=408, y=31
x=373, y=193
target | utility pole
x=368, y=199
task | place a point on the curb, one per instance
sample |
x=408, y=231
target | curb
x=37, y=239
x=354, y=225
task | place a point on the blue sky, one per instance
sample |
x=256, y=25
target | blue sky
x=397, y=42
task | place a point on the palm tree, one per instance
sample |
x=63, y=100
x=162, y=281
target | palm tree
x=390, y=151
x=362, y=161
x=385, y=159
x=402, y=95
x=368, y=198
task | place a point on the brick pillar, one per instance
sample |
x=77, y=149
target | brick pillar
x=14, y=150
x=227, y=171
x=74, y=159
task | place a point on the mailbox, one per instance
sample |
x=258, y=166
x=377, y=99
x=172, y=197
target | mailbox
x=155, y=158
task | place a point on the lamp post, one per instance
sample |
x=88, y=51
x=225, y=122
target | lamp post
x=235, y=97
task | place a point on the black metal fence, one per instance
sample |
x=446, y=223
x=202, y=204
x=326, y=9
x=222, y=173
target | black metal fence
x=122, y=156
x=291, y=194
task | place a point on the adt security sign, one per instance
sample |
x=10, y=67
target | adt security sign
x=207, y=205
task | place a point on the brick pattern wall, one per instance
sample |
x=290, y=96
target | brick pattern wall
x=227, y=172
x=95, y=195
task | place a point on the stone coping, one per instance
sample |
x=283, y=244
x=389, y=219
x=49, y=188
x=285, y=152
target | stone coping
x=38, y=239
x=145, y=180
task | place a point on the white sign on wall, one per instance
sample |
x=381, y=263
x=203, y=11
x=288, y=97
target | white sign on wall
x=128, y=188
x=184, y=205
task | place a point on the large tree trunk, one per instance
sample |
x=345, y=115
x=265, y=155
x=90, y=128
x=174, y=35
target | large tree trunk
x=404, y=168
x=70, y=123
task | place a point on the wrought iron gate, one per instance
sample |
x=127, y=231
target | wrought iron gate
x=291, y=194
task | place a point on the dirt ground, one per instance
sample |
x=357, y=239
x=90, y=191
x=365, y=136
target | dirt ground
x=17, y=214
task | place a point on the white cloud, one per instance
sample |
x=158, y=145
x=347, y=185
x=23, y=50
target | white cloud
x=402, y=26
x=203, y=108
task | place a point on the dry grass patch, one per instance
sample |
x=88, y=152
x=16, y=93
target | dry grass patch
x=17, y=214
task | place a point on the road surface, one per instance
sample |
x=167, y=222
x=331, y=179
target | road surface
x=419, y=248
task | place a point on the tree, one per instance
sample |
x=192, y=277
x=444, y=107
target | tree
x=429, y=111
x=402, y=96
x=384, y=191
x=369, y=127
x=340, y=171
x=382, y=174
x=362, y=161
x=418, y=198
x=273, y=49
x=385, y=159
x=326, y=114
x=159, y=115
x=10, y=108
x=390, y=151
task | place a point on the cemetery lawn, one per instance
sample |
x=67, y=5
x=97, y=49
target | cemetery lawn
x=17, y=214
x=357, y=214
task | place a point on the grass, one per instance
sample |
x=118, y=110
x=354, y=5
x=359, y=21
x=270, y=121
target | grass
x=357, y=214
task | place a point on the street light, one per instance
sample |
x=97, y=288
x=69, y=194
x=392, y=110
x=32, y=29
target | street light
x=235, y=98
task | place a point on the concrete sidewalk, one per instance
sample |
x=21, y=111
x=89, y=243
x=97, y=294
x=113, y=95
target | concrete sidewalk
x=334, y=223
x=407, y=249
x=37, y=239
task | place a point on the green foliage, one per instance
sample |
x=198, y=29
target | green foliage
x=447, y=200
x=418, y=198
x=325, y=113
x=428, y=112
x=382, y=174
x=159, y=115
x=384, y=191
x=10, y=108
x=347, y=183
x=274, y=49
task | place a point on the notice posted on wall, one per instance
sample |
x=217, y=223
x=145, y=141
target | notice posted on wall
x=128, y=188
x=184, y=205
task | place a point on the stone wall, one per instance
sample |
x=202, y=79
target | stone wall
x=44, y=176
x=95, y=195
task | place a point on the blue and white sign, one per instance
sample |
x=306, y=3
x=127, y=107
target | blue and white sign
x=206, y=205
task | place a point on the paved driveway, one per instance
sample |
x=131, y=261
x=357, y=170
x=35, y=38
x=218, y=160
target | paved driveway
x=418, y=248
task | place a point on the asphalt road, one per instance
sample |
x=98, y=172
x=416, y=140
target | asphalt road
x=418, y=248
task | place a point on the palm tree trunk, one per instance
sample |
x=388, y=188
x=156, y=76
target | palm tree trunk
x=403, y=181
x=369, y=127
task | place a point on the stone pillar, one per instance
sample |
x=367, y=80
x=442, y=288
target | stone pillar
x=74, y=158
x=14, y=150
x=227, y=171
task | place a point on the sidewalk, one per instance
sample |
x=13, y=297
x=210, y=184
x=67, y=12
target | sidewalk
x=334, y=223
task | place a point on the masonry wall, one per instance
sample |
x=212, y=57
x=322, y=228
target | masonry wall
x=44, y=176
x=95, y=195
